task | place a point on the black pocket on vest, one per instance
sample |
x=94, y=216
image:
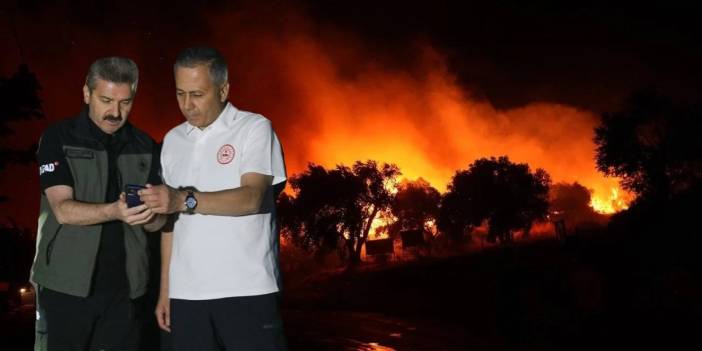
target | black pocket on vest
x=73, y=153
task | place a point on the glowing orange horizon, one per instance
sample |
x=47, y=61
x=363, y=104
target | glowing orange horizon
x=338, y=106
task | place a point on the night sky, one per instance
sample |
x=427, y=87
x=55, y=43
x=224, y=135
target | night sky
x=504, y=58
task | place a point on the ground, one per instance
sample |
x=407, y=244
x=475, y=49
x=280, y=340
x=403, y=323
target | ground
x=588, y=292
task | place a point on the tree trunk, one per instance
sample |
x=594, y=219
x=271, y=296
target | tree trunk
x=366, y=229
x=355, y=257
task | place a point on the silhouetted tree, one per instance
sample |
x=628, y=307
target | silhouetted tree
x=653, y=144
x=506, y=195
x=572, y=203
x=322, y=208
x=416, y=205
x=337, y=204
x=19, y=101
x=16, y=252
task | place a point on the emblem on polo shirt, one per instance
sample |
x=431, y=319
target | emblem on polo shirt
x=225, y=154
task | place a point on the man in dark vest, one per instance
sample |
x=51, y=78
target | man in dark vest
x=91, y=260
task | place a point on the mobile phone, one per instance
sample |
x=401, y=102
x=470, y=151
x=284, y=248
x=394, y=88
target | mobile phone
x=132, y=194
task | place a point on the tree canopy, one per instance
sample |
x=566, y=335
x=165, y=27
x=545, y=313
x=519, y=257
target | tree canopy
x=505, y=195
x=337, y=204
x=571, y=201
x=653, y=144
x=19, y=101
x=415, y=205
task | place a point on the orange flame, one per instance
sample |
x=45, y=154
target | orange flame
x=334, y=103
x=335, y=100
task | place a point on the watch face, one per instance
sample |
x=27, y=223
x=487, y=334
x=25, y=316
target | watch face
x=190, y=202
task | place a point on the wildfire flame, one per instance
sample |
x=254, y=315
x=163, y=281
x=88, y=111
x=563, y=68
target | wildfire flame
x=333, y=99
x=334, y=105
x=615, y=202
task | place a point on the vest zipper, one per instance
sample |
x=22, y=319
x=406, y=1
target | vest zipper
x=50, y=245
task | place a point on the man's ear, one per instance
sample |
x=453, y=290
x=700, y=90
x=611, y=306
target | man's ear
x=86, y=94
x=224, y=92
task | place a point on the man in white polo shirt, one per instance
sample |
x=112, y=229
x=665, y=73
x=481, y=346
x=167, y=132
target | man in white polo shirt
x=222, y=169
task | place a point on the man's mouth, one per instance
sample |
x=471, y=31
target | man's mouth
x=113, y=119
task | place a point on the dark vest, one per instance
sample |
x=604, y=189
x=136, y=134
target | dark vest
x=66, y=254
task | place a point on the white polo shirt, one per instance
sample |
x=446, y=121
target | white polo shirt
x=223, y=256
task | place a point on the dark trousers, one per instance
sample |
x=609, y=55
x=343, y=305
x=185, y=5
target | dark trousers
x=233, y=324
x=105, y=321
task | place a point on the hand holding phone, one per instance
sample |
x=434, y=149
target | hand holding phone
x=132, y=194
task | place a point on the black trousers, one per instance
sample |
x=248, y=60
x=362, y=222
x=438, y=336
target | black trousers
x=233, y=324
x=102, y=322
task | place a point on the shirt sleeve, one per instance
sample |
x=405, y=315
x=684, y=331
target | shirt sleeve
x=53, y=168
x=262, y=152
x=155, y=177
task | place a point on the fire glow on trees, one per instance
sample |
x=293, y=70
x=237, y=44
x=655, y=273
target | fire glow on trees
x=423, y=121
x=340, y=101
x=333, y=99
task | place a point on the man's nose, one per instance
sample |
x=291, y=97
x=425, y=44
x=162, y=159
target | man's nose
x=188, y=102
x=118, y=109
x=115, y=109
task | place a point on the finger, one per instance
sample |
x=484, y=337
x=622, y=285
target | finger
x=160, y=318
x=167, y=317
x=149, y=198
x=149, y=190
x=139, y=222
x=145, y=220
x=136, y=209
x=157, y=208
x=140, y=218
x=133, y=218
x=154, y=208
x=160, y=210
x=122, y=207
x=152, y=205
x=155, y=195
x=163, y=318
x=122, y=198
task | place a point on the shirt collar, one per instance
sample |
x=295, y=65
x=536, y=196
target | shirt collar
x=222, y=122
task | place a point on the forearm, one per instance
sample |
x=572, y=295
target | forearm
x=166, y=247
x=242, y=201
x=81, y=213
x=157, y=223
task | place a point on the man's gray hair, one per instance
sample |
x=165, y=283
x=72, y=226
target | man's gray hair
x=201, y=55
x=113, y=69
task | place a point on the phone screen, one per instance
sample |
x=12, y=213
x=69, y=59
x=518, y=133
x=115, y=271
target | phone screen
x=132, y=192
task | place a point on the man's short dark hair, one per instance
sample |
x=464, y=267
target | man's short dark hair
x=113, y=69
x=202, y=55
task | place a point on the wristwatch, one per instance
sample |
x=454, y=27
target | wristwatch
x=190, y=202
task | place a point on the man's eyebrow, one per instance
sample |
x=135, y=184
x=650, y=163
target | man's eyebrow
x=111, y=98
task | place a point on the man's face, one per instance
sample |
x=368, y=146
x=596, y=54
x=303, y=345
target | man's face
x=108, y=104
x=199, y=99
